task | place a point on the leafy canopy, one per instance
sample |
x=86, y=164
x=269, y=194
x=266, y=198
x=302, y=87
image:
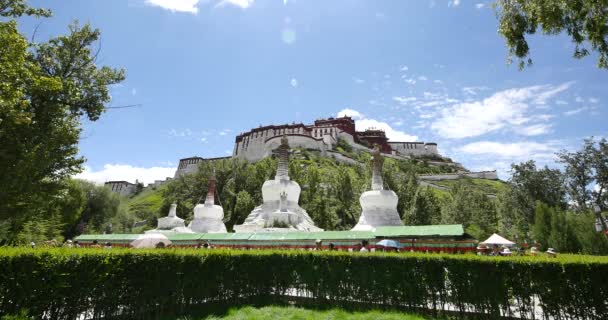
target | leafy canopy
x=585, y=21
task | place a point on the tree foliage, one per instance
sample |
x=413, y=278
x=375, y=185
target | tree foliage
x=586, y=172
x=46, y=89
x=584, y=21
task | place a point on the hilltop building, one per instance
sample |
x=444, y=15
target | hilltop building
x=323, y=135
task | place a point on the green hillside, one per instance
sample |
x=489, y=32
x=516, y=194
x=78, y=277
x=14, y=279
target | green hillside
x=330, y=190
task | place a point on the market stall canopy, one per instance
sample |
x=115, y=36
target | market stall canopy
x=495, y=239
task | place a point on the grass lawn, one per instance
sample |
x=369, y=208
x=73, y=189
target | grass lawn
x=296, y=313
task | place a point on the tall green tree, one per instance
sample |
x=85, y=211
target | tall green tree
x=586, y=172
x=425, y=209
x=584, y=21
x=543, y=224
x=47, y=88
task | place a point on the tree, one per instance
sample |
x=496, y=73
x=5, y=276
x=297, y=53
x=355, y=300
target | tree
x=545, y=185
x=244, y=205
x=101, y=206
x=18, y=8
x=584, y=169
x=46, y=89
x=512, y=221
x=585, y=21
x=542, y=225
x=471, y=208
x=425, y=209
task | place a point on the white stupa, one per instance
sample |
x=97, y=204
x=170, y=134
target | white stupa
x=171, y=223
x=379, y=206
x=208, y=216
x=280, y=210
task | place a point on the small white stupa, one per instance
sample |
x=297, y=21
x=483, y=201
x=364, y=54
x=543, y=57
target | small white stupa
x=208, y=216
x=280, y=210
x=170, y=223
x=379, y=206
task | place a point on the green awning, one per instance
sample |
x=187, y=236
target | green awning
x=107, y=237
x=183, y=236
x=438, y=231
x=450, y=230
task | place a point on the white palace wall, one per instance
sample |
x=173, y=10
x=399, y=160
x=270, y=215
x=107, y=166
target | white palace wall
x=258, y=145
x=414, y=148
x=491, y=175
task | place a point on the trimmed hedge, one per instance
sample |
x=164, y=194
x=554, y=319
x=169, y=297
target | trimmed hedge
x=64, y=283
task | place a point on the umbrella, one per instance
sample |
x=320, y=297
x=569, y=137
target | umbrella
x=150, y=240
x=388, y=243
x=498, y=240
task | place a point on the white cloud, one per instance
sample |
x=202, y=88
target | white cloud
x=112, y=172
x=176, y=5
x=294, y=82
x=358, y=81
x=473, y=90
x=480, y=6
x=243, y=4
x=133, y=91
x=404, y=100
x=535, y=130
x=561, y=102
x=362, y=123
x=350, y=113
x=504, y=109
x=594, y=100
x=575, y=111
x=544, y=95
x=404, y=68
x=410, y=81
x=516, y=150
x=453, y=3
x=438, y=81
x=180, y=133
x=423, y=78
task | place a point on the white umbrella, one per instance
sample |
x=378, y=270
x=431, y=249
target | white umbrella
x=498, y=240
x=150, y=240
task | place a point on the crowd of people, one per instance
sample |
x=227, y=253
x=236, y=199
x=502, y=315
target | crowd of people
x=496, y=250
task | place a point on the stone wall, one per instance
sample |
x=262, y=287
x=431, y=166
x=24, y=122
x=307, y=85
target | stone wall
x=414, y=148
x=190, y=165
x=124, y=188
x=260, y=145
x=490, y=175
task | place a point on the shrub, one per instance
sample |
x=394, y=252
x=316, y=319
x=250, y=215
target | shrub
x=63, y=283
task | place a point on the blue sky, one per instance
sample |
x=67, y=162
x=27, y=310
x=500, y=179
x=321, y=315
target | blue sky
x=432, y=71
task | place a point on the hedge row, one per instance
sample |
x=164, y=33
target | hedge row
x=123, y=283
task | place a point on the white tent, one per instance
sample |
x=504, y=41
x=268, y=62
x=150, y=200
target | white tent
x=495, y=239
x=150, y=240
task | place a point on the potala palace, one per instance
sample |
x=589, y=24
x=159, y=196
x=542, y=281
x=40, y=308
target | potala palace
x=323, y=135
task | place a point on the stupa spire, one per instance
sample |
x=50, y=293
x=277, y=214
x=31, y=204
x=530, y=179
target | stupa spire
x=377, y=183
x=282, y=153
x=211, y=191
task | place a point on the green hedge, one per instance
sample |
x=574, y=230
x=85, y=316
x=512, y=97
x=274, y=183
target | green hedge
x=63, y=283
